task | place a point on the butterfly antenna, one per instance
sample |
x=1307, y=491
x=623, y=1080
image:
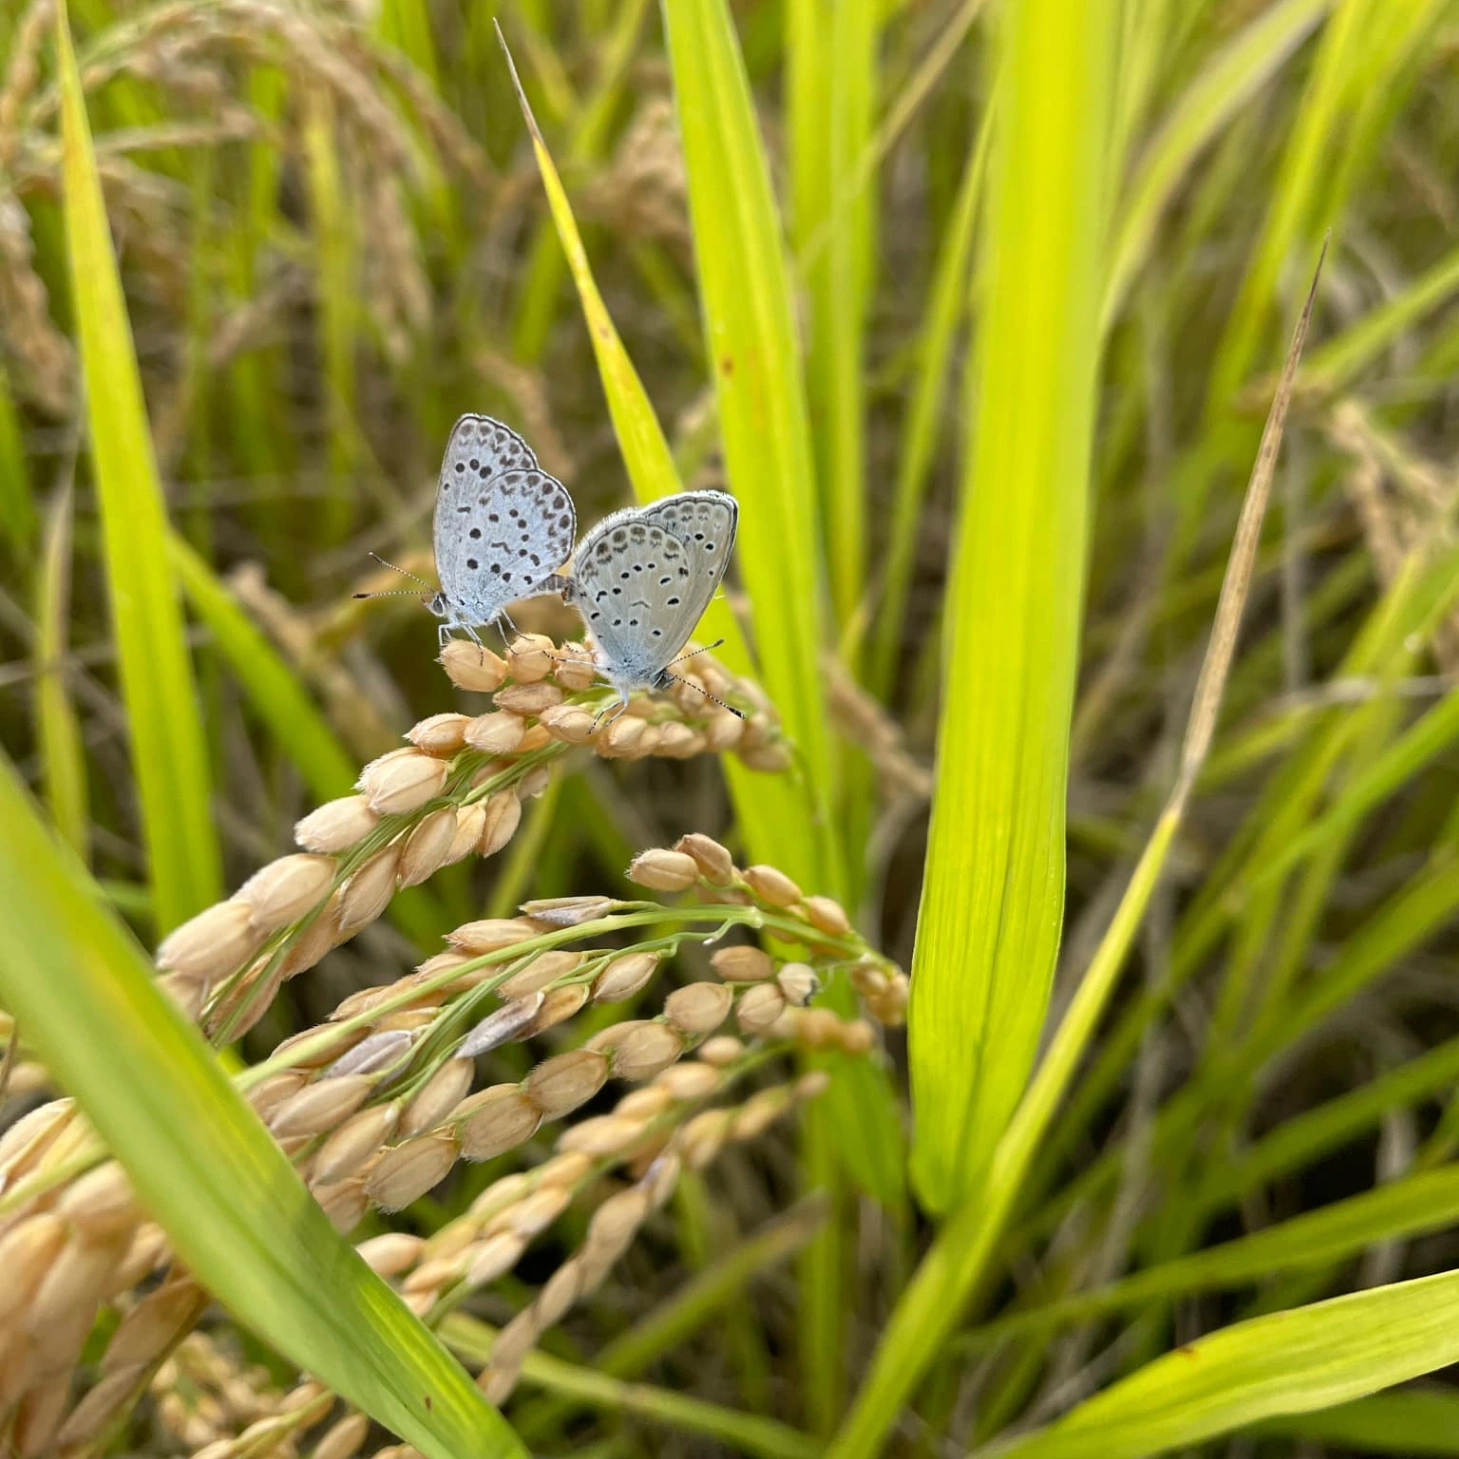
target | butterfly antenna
x=713, y=698
x=694, y=653
x=396, y=593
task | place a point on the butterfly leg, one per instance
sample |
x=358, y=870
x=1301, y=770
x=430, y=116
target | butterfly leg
x=475, y=637
x=612, y=710
x=511, y=627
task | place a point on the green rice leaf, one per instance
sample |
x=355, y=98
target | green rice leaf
x=1428, y=1201
x=760, y=390
x=275, y=692
x=1341, y=358
x=337, y=265
x=17, y=509
x=755, y=362
x=1227, y=82
x=202, y=1162
x=958, y=1258
x=768, y=821
x=169, y=756
x=947, y=305
x=1360, y=50
x=1286, y=1363
x=1412, y=1423
x=58, y=731
x=992, y=899
x=836, y=45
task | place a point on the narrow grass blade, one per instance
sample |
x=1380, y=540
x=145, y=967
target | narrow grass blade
x=1290, y=1362
x=406, y=24
x=1413, y=1423
x=17, y=509
x=837, y=43
x=277, y=696
x=760, y=389
x=1416, y=1204
x=1421, y=743
x=769, y=822
x=169, y=757
x=1225, y=85
x=1305, y=1138
x=590, y=135
x=58, y=732
x=744, y=1433
x=1144, y=60
x=1339, y=361
x=201, y=1161
x=807, y=82
x=992, y=899
x=1362, y=49
x=336, y=268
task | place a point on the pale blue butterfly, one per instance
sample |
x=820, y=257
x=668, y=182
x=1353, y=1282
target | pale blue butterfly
x=642, y=579
x=502, y=527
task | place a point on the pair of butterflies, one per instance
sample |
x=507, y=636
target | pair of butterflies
x=641, y=578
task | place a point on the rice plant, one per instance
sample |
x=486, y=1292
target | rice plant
x=994, y=996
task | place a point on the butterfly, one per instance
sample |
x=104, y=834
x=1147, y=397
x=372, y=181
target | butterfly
x=502, y=527
x=642, y=579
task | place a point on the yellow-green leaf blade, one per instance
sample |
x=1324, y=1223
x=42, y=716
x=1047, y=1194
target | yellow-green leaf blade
x=202, y=1162
x=768, y=821
x=169, y=757
x=946, y=306
x=1290, y=1362
x=992, y=899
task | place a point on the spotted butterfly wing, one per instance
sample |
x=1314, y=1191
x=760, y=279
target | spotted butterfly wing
x=644, y=577
x=502, y=524
x=706, y=522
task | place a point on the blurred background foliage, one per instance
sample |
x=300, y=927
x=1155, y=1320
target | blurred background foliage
x=334, y=239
